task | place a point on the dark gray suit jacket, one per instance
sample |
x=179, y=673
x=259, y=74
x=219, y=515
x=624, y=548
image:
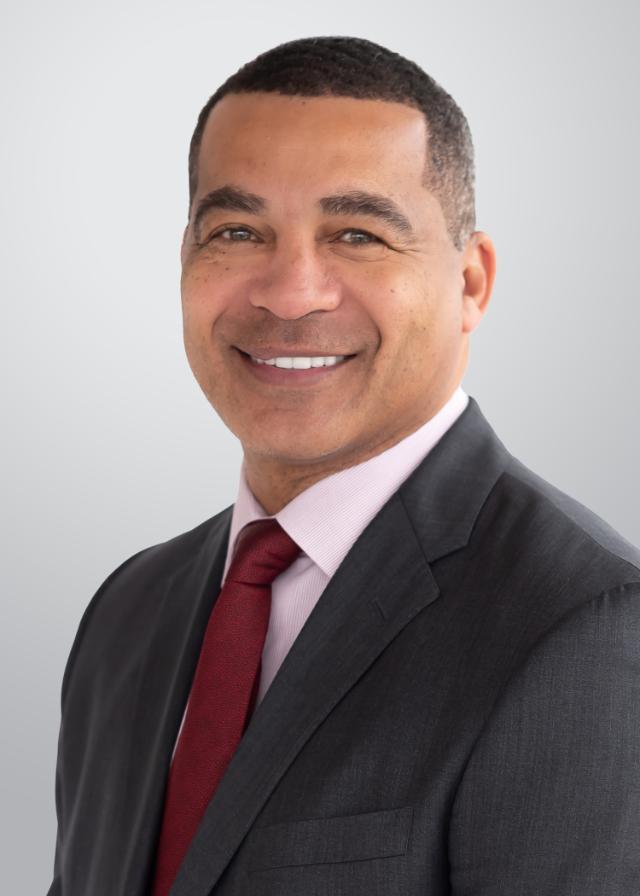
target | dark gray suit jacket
x=459, y=715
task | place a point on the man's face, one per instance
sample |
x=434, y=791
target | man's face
x=298, y=274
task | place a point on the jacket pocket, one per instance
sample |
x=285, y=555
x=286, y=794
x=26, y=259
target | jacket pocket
x=344, y=838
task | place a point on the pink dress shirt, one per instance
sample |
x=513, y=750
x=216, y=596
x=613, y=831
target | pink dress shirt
x=325, y=520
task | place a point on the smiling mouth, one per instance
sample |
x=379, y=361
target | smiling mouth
x=294, y=369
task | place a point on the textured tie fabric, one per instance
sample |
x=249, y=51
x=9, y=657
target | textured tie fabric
x=224, y=689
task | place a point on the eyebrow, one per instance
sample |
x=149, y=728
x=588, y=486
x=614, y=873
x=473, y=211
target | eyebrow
x=353, y=202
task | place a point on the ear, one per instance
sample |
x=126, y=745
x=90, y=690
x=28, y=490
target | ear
x=478, y=271
x=184, y=243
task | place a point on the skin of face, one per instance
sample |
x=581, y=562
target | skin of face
x=294, y=275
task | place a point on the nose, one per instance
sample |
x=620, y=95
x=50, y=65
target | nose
x=296, y=283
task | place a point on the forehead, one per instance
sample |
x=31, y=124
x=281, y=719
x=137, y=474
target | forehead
x=303, y=141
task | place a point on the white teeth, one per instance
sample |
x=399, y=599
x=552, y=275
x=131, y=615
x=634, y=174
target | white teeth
x=302, y=363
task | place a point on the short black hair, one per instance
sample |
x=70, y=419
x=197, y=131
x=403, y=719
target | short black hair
x=359, y=68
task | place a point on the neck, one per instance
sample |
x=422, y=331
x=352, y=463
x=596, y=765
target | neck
x=275, y=481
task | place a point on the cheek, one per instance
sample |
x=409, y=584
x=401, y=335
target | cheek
x=406, y=313
x=202, y=301
x=417, y=331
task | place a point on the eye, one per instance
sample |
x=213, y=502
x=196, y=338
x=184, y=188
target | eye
x=245, y=235
x=369, y=237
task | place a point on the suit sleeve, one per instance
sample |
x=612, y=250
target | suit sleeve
x=56, y=884
x=549, y=802
x=56, y=887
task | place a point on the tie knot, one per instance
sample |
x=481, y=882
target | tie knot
x=263, y=551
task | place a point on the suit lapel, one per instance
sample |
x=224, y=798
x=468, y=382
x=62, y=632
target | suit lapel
x=383, y=582
x=171, y=654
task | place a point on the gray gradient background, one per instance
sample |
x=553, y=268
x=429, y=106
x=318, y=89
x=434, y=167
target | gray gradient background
x=109, y=444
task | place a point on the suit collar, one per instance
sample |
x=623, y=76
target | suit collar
x=444, y=495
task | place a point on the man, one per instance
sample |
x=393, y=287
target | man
x=401, y=662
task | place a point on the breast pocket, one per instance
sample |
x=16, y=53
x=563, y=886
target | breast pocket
x=344, y=838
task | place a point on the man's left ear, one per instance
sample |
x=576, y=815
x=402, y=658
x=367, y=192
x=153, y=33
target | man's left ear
x=478, y=271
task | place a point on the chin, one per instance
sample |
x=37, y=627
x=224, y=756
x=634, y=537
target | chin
x=293, y=452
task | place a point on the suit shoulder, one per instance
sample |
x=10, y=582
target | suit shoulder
x=564, y=527
x=166, y=557
x=130, y=589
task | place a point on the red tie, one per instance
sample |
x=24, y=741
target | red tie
x=224, y=688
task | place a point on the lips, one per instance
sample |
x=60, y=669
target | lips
x=275, y=351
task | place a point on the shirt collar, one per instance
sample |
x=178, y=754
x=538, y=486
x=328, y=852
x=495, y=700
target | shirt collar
x=326, y=519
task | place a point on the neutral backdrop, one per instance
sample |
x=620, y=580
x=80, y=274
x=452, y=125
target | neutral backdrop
x=109, y=444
